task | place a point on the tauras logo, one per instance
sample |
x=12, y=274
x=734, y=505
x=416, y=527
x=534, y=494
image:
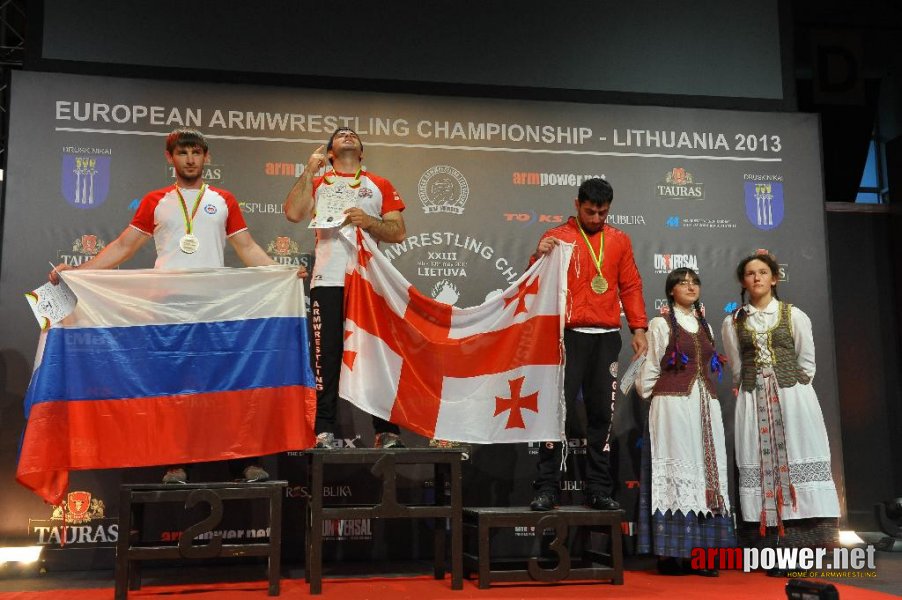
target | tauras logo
x=679, y=184
x=84, y=248
x=79, y=519
x=211, y=172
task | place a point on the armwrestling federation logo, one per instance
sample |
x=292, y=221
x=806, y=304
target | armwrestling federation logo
x=85, y=181
x=443, y=188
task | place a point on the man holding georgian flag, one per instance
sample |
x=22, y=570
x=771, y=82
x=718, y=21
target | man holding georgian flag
x=483, y=374
x=602, y=274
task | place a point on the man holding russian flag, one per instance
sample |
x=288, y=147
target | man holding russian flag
x=190, y=222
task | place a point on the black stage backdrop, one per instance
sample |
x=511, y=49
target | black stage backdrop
x=482, y=179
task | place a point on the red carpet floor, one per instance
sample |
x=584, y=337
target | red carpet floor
x=639, y=585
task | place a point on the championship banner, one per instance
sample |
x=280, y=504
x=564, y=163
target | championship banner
x=162, y=368
x=484, y=374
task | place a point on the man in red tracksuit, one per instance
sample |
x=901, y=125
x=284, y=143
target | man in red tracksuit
x=601, y=275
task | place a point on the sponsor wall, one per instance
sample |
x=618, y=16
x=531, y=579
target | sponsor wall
x=482, y=179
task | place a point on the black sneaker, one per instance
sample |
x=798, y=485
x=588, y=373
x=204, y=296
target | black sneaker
x=543, y=501
x=602, y=502
x=669, y=565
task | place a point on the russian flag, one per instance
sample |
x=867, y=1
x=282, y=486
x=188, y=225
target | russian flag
x=160, y=368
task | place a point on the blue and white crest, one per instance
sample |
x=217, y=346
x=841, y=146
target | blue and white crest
x=764, y=203
x=85, y=180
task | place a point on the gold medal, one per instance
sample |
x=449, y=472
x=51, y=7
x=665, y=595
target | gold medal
x=189, y=243
x=599, y=284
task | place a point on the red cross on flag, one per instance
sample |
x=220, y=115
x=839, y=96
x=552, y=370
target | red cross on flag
x=483, y=374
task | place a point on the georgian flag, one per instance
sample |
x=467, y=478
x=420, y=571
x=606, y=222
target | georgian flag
x=483, y=374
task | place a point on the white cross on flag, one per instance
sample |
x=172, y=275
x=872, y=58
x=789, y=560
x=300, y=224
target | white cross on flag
x=488, y=373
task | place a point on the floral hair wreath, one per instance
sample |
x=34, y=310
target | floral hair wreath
x=764, y=252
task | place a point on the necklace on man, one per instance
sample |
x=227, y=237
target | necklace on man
x=189, y=243
x=598, y=284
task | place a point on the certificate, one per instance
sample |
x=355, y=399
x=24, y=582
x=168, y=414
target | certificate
x=332, y=200
x=51, y=303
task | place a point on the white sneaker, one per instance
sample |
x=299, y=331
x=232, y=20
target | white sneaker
x=175, y=475
x=255, y=473
x=326, y=441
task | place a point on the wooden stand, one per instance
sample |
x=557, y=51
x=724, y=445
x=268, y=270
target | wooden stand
x=133, y=498
x=481, y=521
x=446, y=463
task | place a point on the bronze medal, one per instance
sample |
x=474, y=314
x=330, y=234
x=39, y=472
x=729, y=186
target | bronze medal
x=599, y=284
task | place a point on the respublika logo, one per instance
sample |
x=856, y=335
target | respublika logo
x=618, y=220
x=443, y=188
x=261, y=208
x=764, y=203
x=85, y=181
x=665, y=263
x=680, y=184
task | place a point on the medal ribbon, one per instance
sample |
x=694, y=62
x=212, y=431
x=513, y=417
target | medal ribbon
x=354, y=183
x=189, y=221
x=598, y=259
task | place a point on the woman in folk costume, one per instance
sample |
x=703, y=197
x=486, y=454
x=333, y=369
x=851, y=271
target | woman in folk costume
x=786, y=487
x=684, y=502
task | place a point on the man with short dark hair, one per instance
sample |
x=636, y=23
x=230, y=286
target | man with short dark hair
x=375, y=207
x=190, y=223
x=602, y=274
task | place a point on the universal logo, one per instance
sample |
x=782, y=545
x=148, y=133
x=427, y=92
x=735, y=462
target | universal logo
x=444, y=189
x=665, y=263
x=679, y=184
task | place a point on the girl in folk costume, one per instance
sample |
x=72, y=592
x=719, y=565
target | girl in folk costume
x=786, y=487
x=684, y=502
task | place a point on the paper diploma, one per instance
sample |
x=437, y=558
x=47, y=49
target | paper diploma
x=331, y=203
x=51, y=303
